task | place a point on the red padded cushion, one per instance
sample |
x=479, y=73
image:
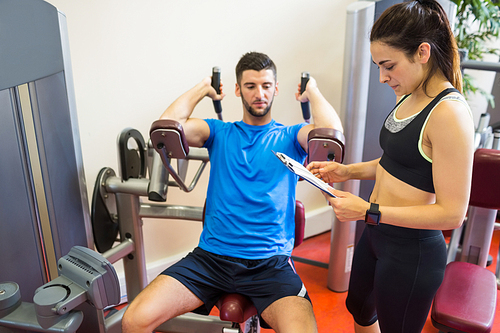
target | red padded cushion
x=322, y=142
x=485, y=190
x=466, y=300
x=168, y=135
x=300, y=223
x=235, y=308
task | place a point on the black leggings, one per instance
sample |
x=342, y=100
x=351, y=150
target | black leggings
x=395, y=275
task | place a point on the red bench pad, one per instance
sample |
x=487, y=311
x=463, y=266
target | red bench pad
x=466, y=300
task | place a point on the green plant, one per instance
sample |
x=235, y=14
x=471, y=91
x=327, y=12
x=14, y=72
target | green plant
x=477, y=25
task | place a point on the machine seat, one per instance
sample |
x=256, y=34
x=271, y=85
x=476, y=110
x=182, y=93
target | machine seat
x=466, y=300
x=237, y=308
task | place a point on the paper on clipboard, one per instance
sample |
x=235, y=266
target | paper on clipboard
x=301, y=171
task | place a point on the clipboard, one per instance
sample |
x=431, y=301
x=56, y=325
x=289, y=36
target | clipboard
x=302, y=172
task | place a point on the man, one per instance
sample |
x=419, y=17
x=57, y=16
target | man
x=248, y=235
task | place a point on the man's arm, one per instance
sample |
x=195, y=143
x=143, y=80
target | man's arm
x=323, y=113
x=196, y=130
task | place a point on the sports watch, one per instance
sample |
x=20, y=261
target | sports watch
x=372, y=216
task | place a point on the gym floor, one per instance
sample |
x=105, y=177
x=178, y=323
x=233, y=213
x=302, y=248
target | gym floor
x=331, y=313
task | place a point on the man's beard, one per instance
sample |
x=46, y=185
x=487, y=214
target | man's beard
x=253, y=112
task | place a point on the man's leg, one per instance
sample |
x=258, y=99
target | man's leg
x=291, y=314
x=163, y=299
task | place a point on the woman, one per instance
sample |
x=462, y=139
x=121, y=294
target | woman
x=422, y=181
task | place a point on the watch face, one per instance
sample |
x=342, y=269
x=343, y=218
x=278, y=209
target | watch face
x=372, y=218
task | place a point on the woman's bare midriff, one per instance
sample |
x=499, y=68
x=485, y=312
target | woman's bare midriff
x=390, y=191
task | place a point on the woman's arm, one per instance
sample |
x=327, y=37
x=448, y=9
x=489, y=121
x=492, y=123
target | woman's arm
x=333, y=172
x=449, y=134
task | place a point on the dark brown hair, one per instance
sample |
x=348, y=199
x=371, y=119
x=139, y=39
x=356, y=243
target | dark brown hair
x=254, y=61
x=406, y=25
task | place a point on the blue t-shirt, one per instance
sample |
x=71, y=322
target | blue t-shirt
x=250, y=208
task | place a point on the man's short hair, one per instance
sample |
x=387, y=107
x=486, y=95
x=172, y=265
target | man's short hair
x=254, y=61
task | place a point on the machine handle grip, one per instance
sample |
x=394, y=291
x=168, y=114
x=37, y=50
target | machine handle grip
x=216, y=86
x=306, y=108
x=133, y=162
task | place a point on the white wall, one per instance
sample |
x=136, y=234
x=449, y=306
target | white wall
x=131, y=59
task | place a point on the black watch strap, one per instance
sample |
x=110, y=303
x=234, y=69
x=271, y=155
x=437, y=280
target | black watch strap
x=372, y=216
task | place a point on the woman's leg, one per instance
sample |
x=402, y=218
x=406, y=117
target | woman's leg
x=408, y=275
x=360, y=298
x=374, y=328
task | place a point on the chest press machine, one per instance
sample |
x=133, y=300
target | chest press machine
x=87, y=276
x=116, y=209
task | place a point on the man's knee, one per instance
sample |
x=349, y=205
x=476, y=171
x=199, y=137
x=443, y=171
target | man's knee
x=141, y=314
x=133, y=322
x=291, y=314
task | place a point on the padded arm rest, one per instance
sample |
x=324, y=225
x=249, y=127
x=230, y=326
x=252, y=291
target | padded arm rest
x=325, y=144
x=485, y=189
x=168, y=138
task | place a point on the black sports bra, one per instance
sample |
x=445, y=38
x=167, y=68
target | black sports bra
x=399, y=140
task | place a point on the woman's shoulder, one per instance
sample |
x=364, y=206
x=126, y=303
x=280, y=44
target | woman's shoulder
x=454, y=102
x=452, y=111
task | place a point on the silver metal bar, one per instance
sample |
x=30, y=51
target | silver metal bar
x=113, y=323
x=198, y=154
x=133, y=186
x=157, y=189
x=193, y=323
x=134, y=263
x=171, y=212
x=121, y=250
x=478, y=233
x=497, y=271
x=181, y=183
x=481, y=65
x=454, y=243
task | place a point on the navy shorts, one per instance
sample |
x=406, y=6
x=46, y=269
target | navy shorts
x=264, y=281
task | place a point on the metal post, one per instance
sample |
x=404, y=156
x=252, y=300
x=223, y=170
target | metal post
x=478, y=232
x=134, y=263
x=360, y=17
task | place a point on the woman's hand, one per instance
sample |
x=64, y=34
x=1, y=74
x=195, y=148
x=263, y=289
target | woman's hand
x=347, y=206
x=329, y=172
